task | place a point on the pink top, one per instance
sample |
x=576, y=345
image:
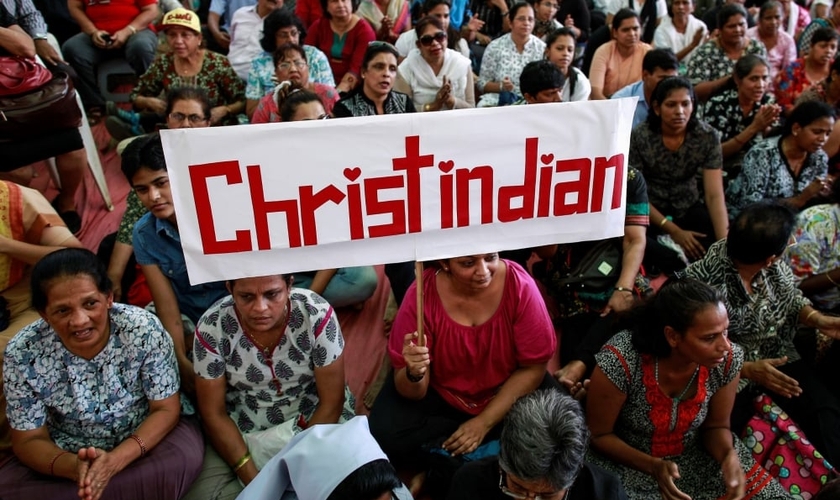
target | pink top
x=779, y=56
x=611, y=71
x=267, y=111
x=470, y=363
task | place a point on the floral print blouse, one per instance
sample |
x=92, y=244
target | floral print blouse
x=216, y=77
x=261, y=76
x=791, y=82
x=501, y=59
x=312, y=339
x=817, y=236
x=99, y=402
x=709, y=62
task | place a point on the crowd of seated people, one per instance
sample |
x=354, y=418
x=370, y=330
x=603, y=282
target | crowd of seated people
x=731, y=193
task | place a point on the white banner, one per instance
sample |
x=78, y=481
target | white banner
x=279, y=198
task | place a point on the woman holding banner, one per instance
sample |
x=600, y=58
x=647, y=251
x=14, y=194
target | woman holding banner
x=434, y=411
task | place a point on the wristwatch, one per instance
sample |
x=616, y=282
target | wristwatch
x=39, y=36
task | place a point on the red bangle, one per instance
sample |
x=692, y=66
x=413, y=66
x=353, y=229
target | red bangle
x=55, y=458
x=140, y=443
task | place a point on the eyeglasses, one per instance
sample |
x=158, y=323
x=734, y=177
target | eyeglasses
x=439, y=37
x=526, y=496
x=180, y=117
x=524, y=19
x=286, y=65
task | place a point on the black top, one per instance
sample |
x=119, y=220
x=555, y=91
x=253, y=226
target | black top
x=479, y=480
x=358, y=104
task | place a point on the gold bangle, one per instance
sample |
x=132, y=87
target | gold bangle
x=242, y=461
x=663, y=221
x=133, y=29
x=808, y=317
x=828, y=276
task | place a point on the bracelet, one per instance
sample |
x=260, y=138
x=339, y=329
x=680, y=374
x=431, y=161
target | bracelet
x=505, y=13
x=828, y=276
x=140, y=443
x=413, y=378
x=242, y=461
x=622, y=289
x=55, y=459
x=809, y=317
x=663, y=221
x=133, y=29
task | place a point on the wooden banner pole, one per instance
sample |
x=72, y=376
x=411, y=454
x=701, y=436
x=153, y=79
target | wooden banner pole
x=418, y=276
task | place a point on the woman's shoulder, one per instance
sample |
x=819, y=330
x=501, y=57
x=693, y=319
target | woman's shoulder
x=216, y=58
x=309, y=302
x=755, y=47
x=606, y=48
x=134, y=322
x=28, y=338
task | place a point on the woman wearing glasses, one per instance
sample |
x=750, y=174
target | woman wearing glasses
x=660, y=400
x=506, y=56
x=435, y=77
x=291, y=66
x=376, y=96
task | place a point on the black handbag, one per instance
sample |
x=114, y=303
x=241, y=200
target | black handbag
x=598, y=271
x=49, y=108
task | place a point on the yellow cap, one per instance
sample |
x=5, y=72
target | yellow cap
x=181, y=17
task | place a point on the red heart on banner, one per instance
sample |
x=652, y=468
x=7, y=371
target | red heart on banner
x=352, y=173
x=547, y=159
x=446, y=166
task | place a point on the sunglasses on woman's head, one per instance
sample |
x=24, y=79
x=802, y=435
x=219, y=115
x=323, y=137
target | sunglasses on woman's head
x=427, y=40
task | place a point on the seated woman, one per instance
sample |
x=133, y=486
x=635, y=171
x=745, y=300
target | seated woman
x=560, y=50
x=186, y=107
x=826, y=90
x=660, y=398
x=34, y=229
x=815, y=259
x=64, y=145
x=268, y=364
x=742, y=112
x=434, y=411
x=765, y=312
x=359, y=470
x=188, y=64
x=680, y=31
x=586, y=315
x=376, y=95
x=505, y=57
x=790, y=167
x=544, y=20
x=344, y=37
x=618, y=63
x=711, y=65
x=438, y=9
x=82, y=428
x=436, y=78
x=781, y=47
x=282, y=27
x=795, y=18
x=291, y=66
x=804, y=72
x=669, y=149
x=388, y=18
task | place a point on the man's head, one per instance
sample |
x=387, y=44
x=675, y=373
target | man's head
x=657, y=65
x=760, y=233
x=144, y=166
x=541, y=82
x=543, y=443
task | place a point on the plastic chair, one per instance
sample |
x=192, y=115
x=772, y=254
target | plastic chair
x=110, y=70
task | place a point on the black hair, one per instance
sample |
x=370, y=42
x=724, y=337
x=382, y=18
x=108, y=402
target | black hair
x=622, y=15
x=274, y=22
x=760, y=231
x=354, y=4
x=376, y=48
x=424, y=23
x=145, y=151
x=661, y=92
x=540, y=75
x=280, y=53
x=743, y=67
x=368, y=482
x=552, y=37
x=453, y=36
x=197, y=94
x=287, y=278
x=727, y=11
x=288, y=102
x=823, y=35
x=835, y=190
x=835, y=68
x=514, y=10
x=66, y=262
x=769, y=5
x=829, y=491
x=660, y=58
x=806, y=113
x=676, y=304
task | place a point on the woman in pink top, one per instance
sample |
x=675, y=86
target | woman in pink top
x=488, y=338
x=618, y=63
x=781, y=47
